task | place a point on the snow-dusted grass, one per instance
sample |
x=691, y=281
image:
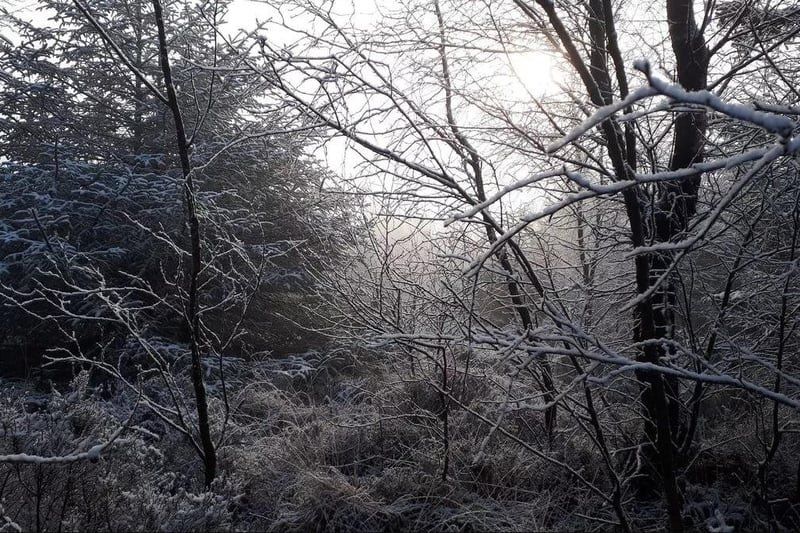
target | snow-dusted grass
x=355, y=443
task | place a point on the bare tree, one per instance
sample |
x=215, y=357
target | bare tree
x=423, y=95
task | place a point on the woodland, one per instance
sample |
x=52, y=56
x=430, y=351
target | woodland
x=413, y=265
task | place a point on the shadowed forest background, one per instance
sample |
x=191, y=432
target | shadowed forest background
x=423, y=265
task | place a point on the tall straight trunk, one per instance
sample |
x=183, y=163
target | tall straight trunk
x=206, y=447
x=676, y=202
x=674, y=206
x=192, y=313
x=652, y=321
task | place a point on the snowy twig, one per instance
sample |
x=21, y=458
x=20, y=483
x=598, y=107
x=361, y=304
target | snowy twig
x=770, y=122
x=657, y=85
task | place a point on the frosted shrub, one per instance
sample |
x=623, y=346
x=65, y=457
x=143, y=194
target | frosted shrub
x=140, y=483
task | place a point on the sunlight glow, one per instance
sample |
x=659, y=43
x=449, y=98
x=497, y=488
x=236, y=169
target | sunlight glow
x=536, y=71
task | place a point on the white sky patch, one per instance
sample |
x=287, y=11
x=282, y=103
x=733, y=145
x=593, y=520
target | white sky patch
x=537, y=71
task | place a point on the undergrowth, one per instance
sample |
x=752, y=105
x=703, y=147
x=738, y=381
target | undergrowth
x=343, y=442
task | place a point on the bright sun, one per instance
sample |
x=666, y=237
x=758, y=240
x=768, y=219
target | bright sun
x=536, y=71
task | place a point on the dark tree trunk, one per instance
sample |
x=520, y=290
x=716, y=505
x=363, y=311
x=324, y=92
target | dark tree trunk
x=676, y=203
x=192, y=312
x=674, y=206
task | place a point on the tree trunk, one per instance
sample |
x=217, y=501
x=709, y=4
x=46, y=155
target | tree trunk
x=192, y=313
x=674, y=206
